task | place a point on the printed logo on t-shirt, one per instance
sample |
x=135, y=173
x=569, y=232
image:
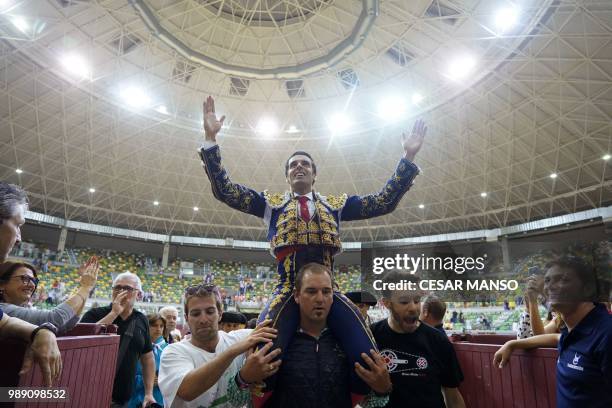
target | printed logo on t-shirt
x=575, y=362
x=399, y=361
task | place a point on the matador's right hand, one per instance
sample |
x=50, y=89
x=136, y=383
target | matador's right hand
x=212, y=125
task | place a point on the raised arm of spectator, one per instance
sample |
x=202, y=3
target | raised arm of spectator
x=533, y=290
x=65, y=315
x=89, y=276
x=61, y=316
x=117, y=307
x=502, y=356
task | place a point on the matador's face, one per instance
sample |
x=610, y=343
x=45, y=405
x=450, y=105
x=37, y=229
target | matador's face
x=301, y=174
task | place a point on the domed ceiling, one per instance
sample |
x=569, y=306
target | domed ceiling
x=107, y=96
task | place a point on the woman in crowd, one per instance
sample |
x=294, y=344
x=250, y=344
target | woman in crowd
x=530, y=322
x=157, y=328
x=18, y=283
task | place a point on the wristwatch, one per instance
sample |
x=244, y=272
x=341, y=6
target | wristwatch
x=45, y=326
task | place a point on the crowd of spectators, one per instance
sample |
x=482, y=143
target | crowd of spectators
x=218, y=364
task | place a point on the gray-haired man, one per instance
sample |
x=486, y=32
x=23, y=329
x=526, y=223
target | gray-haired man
x=13, y=205
x=170, y=313
x=133, y=327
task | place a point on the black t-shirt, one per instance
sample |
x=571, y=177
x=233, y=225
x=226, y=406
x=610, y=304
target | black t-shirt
x=419, y=363
x=139, y=345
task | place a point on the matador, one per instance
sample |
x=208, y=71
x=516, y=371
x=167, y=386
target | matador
x=304, y=226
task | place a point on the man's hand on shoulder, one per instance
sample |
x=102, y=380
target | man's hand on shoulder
x=413, y=141
x=377, y=377
x=260, y=364
x=261, y=334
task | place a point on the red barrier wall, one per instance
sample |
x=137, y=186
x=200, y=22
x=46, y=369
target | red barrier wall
x=528, y=380
x=483, y=338
x=91, y=329
x=88, y=370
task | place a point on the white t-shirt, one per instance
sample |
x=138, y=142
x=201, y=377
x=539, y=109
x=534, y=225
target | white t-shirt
x=178, y=359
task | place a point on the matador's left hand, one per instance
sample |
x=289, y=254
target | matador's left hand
x=412, y=142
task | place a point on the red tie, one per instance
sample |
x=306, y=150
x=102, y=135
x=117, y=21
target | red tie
x=304, y=213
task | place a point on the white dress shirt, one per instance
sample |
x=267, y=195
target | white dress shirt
x=311, y=205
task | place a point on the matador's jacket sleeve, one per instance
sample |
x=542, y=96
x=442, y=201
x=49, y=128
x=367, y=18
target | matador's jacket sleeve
x=385, y=201
x=235, y=195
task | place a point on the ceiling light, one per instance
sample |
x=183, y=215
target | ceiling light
x=421, y=206
x=461, y=67
x=506, y=18
x=606, y=157
x=18, y=171
x=135, y=97
x=267, y=127
x=92, y=190
x=163, y=109
x=483, y=194
x=196, y=209
x=5, y=5
x=293, y=129
x=339, y=122
x=156, y=203
x=417, y=98
x=76, y=65
x=553, y=176
x=392, y=107
x=21, y=24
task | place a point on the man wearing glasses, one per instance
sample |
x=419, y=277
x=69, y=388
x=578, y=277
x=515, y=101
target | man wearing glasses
x=135, y=343
x=198, y=372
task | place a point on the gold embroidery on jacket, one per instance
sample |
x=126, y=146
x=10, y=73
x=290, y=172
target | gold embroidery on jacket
x=275, y=200
x=292, y=230
x=335, y=202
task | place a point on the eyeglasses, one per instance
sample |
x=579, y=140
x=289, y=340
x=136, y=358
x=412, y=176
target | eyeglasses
x=126, y=288
x=205, y=287
x=25, y=279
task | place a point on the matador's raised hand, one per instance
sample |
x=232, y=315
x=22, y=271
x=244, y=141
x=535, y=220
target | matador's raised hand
x=412, y=142
x=212, y=125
